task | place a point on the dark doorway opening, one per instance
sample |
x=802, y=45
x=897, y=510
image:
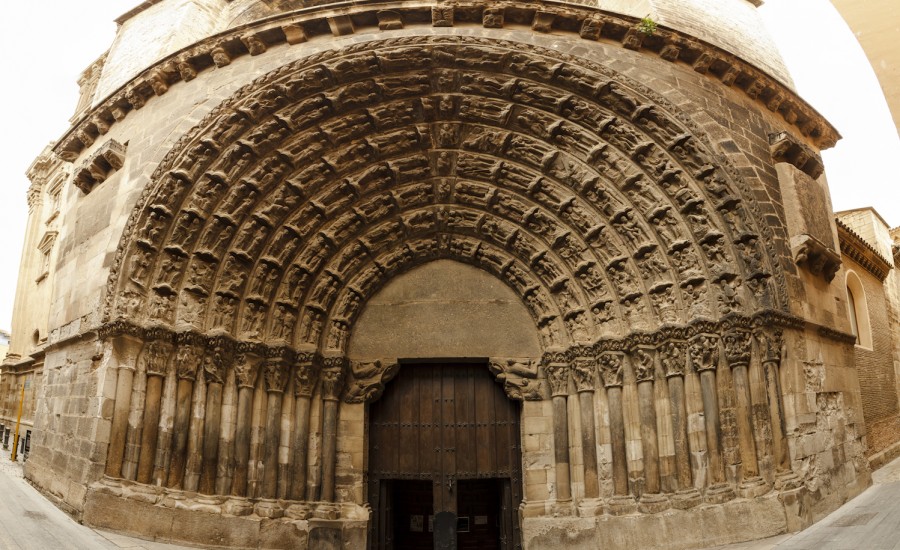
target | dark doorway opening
x=444, y=439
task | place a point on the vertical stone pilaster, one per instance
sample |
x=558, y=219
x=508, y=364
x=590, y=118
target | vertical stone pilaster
x=771, y=349
x=705, y=355
x=276, y=373
x=306, y=378
x=157, y=355
x=124, y=350
x=333, y=376
x=673, y=359
x=584, y=374
x=644, y=363
x=187, y=362
x=612, y=369
x=246, y=370
x=215, y=367
x=737, y=353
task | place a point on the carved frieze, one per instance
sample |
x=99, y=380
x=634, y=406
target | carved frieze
x=704, y=352
x=672, y=357
x=333, y=375
x=737, y=348
x=611, y=365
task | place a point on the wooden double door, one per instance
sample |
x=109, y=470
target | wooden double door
x=444, y=461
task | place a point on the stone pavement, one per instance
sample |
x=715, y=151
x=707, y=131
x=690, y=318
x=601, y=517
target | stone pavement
x=871, y=521
x=28, y=521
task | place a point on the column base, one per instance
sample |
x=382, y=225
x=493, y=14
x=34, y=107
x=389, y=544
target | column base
x=327, y=510
x=560, y=508
x=622, y=505
x=237, y=506
x=753, y=487
x=269, y=508
x=590, y=507
x=787, y=481
x=298, y=511
x=533, y=509
x=687, y=498
x=652, y=503
x=719, y=493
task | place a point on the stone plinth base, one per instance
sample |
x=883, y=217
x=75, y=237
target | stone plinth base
x=192, y=525
x=673, y=529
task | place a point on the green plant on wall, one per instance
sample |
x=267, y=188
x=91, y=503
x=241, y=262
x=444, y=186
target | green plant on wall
x=647, y=26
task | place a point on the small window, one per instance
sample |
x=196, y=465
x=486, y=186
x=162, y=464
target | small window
x=858, y=311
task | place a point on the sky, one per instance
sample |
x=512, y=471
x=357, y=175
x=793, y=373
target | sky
x=46, y=44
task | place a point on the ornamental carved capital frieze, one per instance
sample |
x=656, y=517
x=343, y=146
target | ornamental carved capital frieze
x=277, y=368
x=248, y=357
x=189, y=355
x=673, y=358
x=584, y=374
x=306, y=376
x=612, y=368
x=219, y=357
x=642, y=359
x=156, y=356
x=366, y=380
x=771, y=345
x=519, y=378
x=334, y=374
x=556, y=369
x=737, y=348
x=704, y=352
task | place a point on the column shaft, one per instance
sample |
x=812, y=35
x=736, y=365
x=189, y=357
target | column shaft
x=119, y=426
x=649, y=439
x=242, y=441
x=561, y=448
x=300, y=448
x=750, y=465
x=150, y=430
x=183, y=394
x=211, y=428
x=329, y=448
x=270, y=456
x=680, y=432
x=589, y=444
x=617, y=441
x=713, y=431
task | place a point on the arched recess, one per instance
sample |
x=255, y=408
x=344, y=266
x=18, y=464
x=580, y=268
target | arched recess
x=264, y=232
x=858, y=310
x=444, y=309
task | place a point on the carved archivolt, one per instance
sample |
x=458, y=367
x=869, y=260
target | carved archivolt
x=289, y=206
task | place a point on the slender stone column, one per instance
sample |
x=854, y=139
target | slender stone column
x=584, y=375
x=195, y=432
x=124, y=353
x=306, y=377
x=333, y=375
x=277, y=372
x=246, y=369
x=673, y=358
x=557, y=370
x=163, y=457
x=187, y=362
x=770, y=346
x=215, y=366
x=285, y=446
x=612, y=370
x=644, y=364
x=135, y=417
x=705, y=360
x=737, y=353
x=157, y=353
x=225, y=467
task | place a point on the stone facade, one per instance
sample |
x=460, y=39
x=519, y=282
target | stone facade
x=270, y=218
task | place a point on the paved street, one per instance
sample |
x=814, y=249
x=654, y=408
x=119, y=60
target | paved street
x=871, y=521
x=30, y=522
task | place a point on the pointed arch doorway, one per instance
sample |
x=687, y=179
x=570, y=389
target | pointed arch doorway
x=444, y=460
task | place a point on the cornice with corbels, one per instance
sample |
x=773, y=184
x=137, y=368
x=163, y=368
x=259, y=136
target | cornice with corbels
x=590, y=23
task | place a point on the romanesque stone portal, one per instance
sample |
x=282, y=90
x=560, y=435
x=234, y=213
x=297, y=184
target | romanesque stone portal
x=625, y=197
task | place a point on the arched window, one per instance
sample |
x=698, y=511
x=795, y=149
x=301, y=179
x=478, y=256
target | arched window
x=858, y=311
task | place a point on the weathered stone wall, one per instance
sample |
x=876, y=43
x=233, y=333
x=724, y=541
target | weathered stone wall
x=98, y=383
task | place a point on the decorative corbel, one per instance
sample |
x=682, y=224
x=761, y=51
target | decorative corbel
x=366, y=380
x=519, y=378
x=818, y=258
